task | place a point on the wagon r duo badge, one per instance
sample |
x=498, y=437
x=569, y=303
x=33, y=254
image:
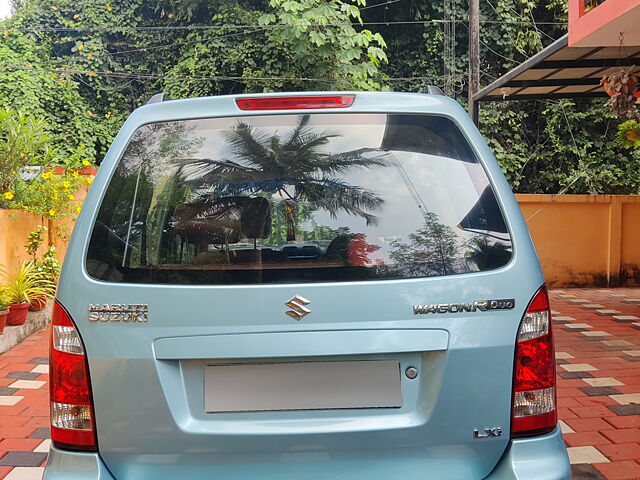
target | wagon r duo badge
x=118, y=312
x=475, y=306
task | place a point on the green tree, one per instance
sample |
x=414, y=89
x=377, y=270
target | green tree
x=23, y=140
x=29, y=84
x=322, y=42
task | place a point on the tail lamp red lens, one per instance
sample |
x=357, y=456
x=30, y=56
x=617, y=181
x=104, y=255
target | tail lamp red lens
x=534, y=395
x=295, y=103
x=72, y=421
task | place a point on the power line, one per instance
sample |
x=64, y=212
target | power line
x=155, y=28
x=181, y=44
x=379, y=5
x=155, y=76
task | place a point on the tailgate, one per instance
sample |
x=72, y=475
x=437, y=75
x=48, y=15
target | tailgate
x=317, y=286
x=151, y=400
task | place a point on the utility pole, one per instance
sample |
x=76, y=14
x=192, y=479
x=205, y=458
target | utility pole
x=449, y=46
x=474, y=56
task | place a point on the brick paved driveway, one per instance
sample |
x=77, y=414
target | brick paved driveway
x=598, y=355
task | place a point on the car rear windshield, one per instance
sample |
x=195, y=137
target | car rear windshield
x=297, y=198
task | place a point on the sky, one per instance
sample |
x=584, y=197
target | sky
x=5, y=8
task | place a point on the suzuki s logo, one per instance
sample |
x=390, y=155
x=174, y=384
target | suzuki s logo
x=297, y=306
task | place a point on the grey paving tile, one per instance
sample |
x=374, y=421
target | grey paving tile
x=42, y=432
x=629, y=358
x=23, y=459
x=39, y=360
x=591, y=306
x=574, y=375
x=625, y=410
x=560, y=361
x=23, y=375
x=7, y=390
x=585, y=471
x=599, y=391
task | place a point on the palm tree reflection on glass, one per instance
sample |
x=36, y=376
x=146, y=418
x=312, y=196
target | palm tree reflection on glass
x=291, y=169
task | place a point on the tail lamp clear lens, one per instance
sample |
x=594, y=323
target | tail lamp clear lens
x=72, y=424
x=534, y=395
x=66, y=339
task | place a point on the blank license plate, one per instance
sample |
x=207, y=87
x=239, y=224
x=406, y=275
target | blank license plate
x=302, y=386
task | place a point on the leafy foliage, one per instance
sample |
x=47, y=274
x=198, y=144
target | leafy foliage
x=28, y=162
x=48, y=265
x=340, y=52
x=30, y=85
x=108, y=60
x=629, y=134
x=27, y=285
x=4, y=304
x=23, y=141
x=561, y=147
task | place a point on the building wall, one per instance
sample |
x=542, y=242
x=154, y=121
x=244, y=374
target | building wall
x=585, y=240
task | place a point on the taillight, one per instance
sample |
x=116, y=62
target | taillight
x=72, y=422
x=295, y=103
x=534, y=381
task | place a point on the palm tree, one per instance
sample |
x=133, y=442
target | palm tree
x=293, y=167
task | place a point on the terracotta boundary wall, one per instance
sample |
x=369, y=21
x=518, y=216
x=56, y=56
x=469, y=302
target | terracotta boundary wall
x=15, y=226
x=581, y=240
x=585, y=240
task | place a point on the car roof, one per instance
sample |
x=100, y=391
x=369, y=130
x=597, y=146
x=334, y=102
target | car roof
x=225, y=105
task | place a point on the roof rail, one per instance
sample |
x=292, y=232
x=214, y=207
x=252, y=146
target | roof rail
x=433, y=90
x=157, y=98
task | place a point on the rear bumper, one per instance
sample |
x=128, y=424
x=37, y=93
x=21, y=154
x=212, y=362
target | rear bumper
x=540, y=458
x=537, y=458
x=65, y=465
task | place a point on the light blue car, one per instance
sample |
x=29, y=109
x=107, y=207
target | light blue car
x=333, y=285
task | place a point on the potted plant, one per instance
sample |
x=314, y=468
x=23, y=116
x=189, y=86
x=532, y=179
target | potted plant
x=622, y=86
x=27, y=284
x=4, y=313
x=49, y=268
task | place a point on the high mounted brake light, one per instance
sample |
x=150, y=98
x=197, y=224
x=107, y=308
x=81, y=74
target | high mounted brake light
x=534, y=380
x=295, y=103
x=72, y=421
